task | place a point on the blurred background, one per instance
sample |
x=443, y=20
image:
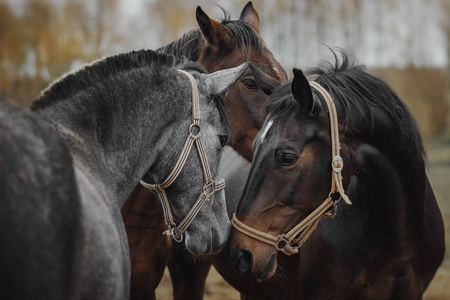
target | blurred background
x=405, y=42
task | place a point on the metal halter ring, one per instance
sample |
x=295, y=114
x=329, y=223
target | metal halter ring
x=170, y=233
x=341, y=162
x=195, y=135
x=331, y=194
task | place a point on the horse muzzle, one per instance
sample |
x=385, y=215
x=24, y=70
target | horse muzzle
x=209, y=232
x=251, y=259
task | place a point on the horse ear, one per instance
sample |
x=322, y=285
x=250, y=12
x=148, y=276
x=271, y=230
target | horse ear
x=218, y=82
x=250, y=16
x=215, y=33
x=264, y=81
x=301, y=90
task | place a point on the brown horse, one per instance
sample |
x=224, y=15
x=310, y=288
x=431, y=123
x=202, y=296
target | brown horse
x=387, y=245
x=217, y=45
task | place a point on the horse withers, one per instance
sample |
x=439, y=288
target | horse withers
x=70, y=165
x=387, y=245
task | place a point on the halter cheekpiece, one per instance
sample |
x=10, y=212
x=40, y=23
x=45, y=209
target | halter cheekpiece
x=210, y=186
x=290, y=243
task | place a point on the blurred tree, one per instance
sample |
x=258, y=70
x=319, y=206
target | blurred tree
x=46, y=40
x=42, y=39
x=10, y=51
x=171, y=18
x=446, y=25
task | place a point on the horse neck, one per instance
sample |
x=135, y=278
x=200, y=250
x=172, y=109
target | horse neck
x=388, y=195
x=113, y=138
x=396, y=141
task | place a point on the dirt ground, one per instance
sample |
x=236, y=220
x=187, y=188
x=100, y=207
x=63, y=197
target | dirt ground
x=439, y=174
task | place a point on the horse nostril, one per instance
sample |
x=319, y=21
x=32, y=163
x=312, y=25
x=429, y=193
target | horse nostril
x=243, y=262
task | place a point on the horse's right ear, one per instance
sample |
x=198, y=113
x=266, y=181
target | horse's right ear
x=214, y=33
x=301, y=90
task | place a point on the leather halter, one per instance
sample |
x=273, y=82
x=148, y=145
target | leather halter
x=289, y=243
x=210, y=186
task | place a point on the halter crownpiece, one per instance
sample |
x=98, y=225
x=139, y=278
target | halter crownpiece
x=290, y=243
x=210, y=186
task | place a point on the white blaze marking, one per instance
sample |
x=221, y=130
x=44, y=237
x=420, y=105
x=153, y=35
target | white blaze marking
x=266, y=129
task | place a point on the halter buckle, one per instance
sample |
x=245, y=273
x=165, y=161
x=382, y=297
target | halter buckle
x=282, y=242
x=285, y=246
x=340, y=164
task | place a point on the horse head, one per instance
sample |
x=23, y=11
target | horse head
x=289, y=180
x=227, y=44
x=201, y=216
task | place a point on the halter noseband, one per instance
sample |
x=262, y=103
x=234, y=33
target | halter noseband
x=289, y=243
x=210, y=186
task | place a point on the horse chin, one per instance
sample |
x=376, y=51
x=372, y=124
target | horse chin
x=205, y=243
x=269, y=268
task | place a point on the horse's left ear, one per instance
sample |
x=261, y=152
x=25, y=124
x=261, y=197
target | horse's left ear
x=250, y=16
x=301, y=90
x=214, y=33
x=218, y=82
x=264, y=81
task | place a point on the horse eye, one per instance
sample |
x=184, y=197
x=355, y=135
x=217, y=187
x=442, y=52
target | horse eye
x=250, y=84
x=223, y=139
x=288, y=159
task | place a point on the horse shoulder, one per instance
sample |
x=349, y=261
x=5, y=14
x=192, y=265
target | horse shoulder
x=102, y=249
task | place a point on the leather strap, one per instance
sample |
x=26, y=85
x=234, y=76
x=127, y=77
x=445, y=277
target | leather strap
x=210, y=186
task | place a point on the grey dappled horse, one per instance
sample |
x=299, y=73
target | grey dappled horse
x=67, y=168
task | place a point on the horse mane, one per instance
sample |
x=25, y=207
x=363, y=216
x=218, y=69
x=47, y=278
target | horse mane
x=358, y=94
x=91, y=74
x=246, y=38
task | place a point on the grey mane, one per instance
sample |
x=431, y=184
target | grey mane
x=91, y=75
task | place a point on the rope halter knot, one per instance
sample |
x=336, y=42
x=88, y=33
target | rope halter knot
x=210, y=186
x=289, y=243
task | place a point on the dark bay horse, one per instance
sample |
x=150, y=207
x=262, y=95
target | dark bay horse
x=68, y=167
x=217, y=45
x=387, y=245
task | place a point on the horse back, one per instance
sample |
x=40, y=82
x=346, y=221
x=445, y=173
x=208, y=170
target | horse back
x=37, y=208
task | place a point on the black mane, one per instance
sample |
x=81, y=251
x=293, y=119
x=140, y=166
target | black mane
x=359, y=96
x=246, y=38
